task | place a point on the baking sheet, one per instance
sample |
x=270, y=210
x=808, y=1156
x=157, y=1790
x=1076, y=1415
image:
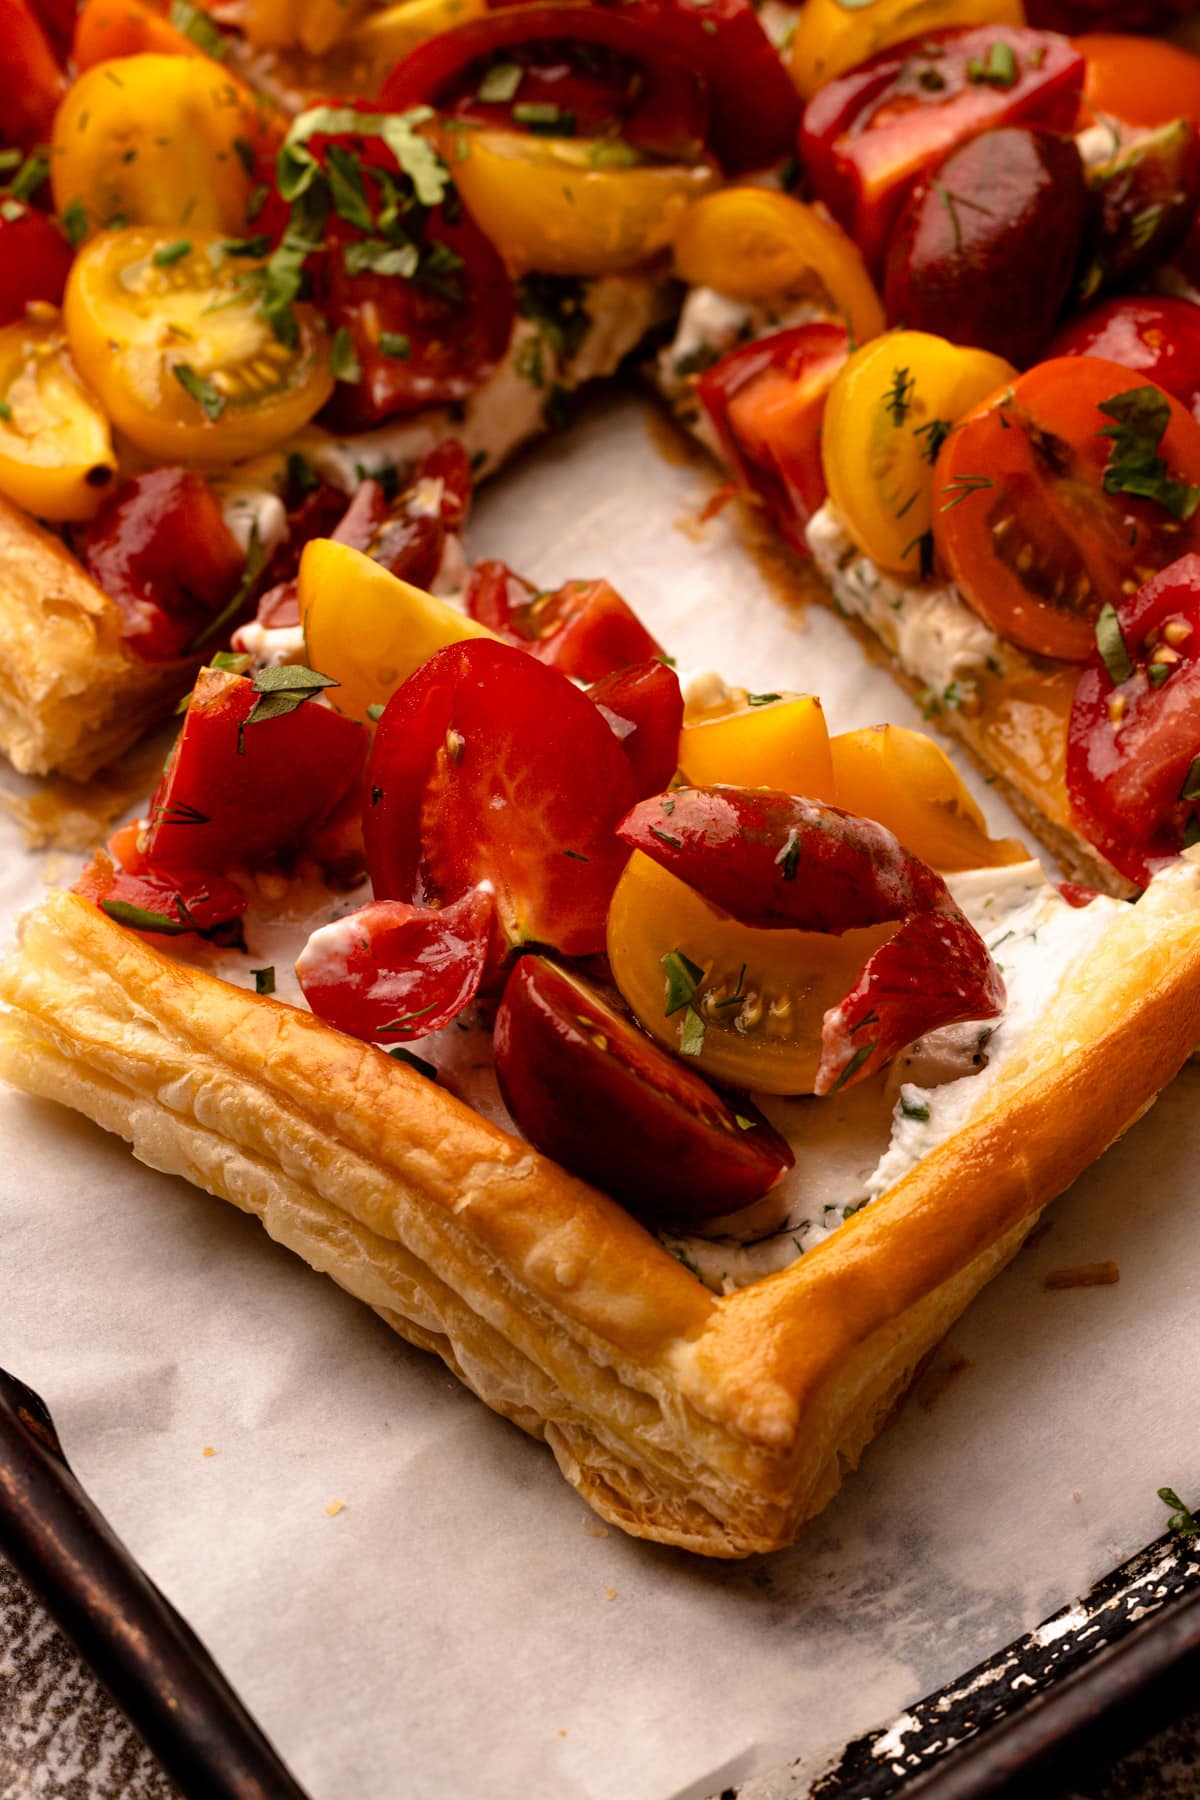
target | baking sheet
x=462, y=1624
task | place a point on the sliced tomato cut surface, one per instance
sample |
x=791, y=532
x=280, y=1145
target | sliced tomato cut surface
x=587, y=1088
x=390, y=972
x=488, y=766
x=583, y=628
x=1063, y=493
x=868, y=135
x=247, y=780
x=644, y=706
x=162, y=551
x=1158, y=335
x=1134, y=736
x=159, y=901
x=766, y=400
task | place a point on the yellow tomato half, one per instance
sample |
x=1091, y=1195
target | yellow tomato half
x=56, y=454
x=551, y=204
x=763, y=995
x=887, y=414
x=771, y=740
x=168, y=333
x=903, y=780
x=831, y=37
x=153, y=140
x=368, y=629
x=755, y=244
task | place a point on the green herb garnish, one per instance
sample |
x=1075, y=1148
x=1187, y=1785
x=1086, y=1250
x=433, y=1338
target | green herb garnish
x=264, y=980
x=683, y=979
x=1111, y=644
x=209, y=398
x=1140, y=420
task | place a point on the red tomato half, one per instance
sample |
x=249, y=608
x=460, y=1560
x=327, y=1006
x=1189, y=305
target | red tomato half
x=583, y=628
x=236, y=792
x=1061, y=493
x=391, y=972
x=1155, y=334
x=869, y=135
x=644, y=707
x=31, y=82
x=159, y=901
x=162, y=551
x=766, y=400
x=35, y=260
x=1135, y=727
x=488, y=766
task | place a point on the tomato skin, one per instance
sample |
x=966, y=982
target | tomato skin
x=1141, y=81
x=1006, y=209
x=644, y=706
x=390, y=962
x=766, y=401
x=104, y=29
x=1131, y=745
x=1155, y=334
x=488, y=766
x=162, y=551
x=189, y=898
x=456, y=338
x=754, y=106
x=31, y=82
x=256, y=804
x=583, y=628
x=35, y=260
x=589, y=1090
x=1045, y=490
x=868, y=136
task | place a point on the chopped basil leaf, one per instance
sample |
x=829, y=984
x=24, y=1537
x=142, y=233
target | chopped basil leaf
x=343, y=358
x=264, y=980
x=762, y=699
x=346, y=188
x=5, y=412
x=381, y=258
x=1191, y=786
x=209, y=398
x=141, y=920
x=302, y=478
x=75, y=223
x=544, y=118
x=428, y=1069
x=415, y=155
x=743, y=1123
x=197, y=26
x=691, y=1038
x=914, y=1109
x=172, y=253
x=1182, y=1519
x=394, y=343
x=29, y=177
x=1141, y=417
x=231, y=662
x=500, y=83
x=1111, y=644
x=612, y=153
x=998, y=70
x=376, y=711
x=683, y=978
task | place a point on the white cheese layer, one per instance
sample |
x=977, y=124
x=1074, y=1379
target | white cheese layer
x=853, y=1147
x=927, y=625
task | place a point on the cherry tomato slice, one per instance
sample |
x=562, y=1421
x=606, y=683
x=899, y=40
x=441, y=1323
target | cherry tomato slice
x=644, y=706
x=31, y=82
x=1140, y=81
x=589, y=1090
x=754, y=108
x=162, y=551
x=1134, y=733
x=35, y=260
x=583, y=628
x=166, y=903
x=390, y=972
x=869, y=135
x=236, y=792
x=778, y=861
x=488, y=766
x=766, y=401
x=1037, y=515
x=1155, y=334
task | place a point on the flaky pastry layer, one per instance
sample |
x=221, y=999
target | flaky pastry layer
x=720, y=1425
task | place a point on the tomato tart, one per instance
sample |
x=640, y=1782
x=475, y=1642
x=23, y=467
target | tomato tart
x=673, y=1069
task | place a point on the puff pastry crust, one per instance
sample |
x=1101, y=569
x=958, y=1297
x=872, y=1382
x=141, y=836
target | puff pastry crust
x=720, y=1425
x=72, y=697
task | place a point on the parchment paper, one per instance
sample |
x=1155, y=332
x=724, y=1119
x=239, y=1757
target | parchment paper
x=463, y=1625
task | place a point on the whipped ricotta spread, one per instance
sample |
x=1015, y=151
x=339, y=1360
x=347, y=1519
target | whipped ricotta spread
x=927, y=625
x=852, y=1147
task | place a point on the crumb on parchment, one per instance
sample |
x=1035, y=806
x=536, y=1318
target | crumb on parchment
x=209, y=1451
x=334, y=1508
x=1097, y=1274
